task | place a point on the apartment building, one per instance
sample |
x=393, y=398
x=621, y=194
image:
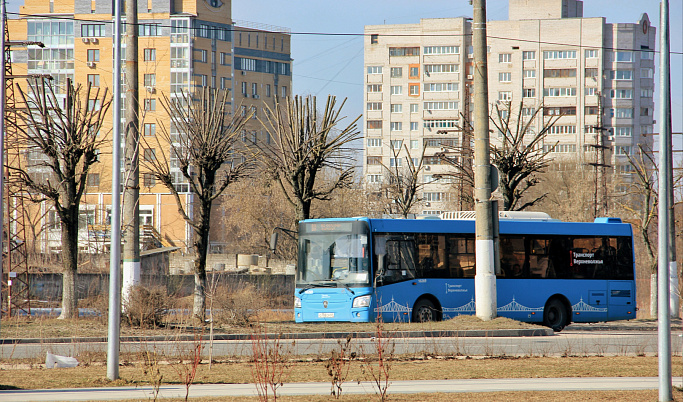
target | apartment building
x=418, y=88
x=183, y=45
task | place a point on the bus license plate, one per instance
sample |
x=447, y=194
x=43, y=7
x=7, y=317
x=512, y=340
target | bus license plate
x=325, y=315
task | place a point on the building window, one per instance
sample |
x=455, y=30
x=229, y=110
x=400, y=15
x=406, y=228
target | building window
x=374, y=160
x=622, y=75
x=93, y=104
x=559, y=92
x=414, y=71
x=441, y=68
x=224, y=59
x=395, y=162
x=92, y=30
x=414, y=144
x=646, y=93
x=374, y=178
x=591, y=110
x=201, y=55
x=622, y=150
x=374, y=124
x=396, y=126
x=396, y=72
x=559, y=54
x=94, y=80
x=93, y=55
x=149, y=154
x=150, y=105
x=441, y=87
x=374, y=39
x=244, y=88
x=284, y=91
x=413, y=126
x=254, y=89
x=505, y=58
x=591, y=72
x=529, y=93
x=374, y=69
x=150, y=129
x=557, y=129
x=452, y=105
x=150, y=54
x=505, y=95
x=268, y=90
x=396, y=144
x=93, y=179
x=646, y=73
x=149, y=29
x=559, y=73
x=414, y=89
x=560, y=111
x=621, y=94
x=623, y=131
x=374, y=142
x=441, y=50
x=647, y=55
x=404, y=51
x=591, y=91
x=625, y=57
x=505, y=77
x=645, y=111
x=529, y=55
x=529, y=73
x=374, y=106
x=414, y=108
x=528, y=111
x=148, y=180
x=374, y=87
x=397, y=90
x=150, y=80
x=225, y=83
x=396, y=108
x=591, y=53
x=622, y=113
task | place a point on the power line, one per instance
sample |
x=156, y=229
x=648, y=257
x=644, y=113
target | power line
x=333, y=34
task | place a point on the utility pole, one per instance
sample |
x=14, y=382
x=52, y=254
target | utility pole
x=3, y=18
x=485, y=278
x=131, y=192
x=663, y=318
x=114, y=319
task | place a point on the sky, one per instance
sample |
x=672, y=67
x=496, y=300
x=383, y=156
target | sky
x=333, y=64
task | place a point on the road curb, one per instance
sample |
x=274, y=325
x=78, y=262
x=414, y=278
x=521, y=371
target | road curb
x=305, y=335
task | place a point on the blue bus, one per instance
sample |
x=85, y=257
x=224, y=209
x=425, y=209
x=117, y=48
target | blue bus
x=551, y=272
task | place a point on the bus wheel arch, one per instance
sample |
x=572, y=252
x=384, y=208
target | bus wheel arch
x=557, y=313
x=426, y=308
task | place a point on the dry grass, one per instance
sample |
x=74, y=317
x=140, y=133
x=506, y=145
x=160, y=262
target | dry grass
x=278, y=322
x=304, y=371
x=540, y=396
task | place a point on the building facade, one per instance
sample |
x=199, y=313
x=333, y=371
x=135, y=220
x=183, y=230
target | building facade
x=598, y=76
x=183, y=45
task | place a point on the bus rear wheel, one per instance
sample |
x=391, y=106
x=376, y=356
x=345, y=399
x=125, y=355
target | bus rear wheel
x=555, y=315
x=425, y=311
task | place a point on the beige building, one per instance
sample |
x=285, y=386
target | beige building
x=597, y=75
x=183, y=45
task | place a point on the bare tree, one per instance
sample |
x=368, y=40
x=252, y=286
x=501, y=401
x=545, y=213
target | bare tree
x=402, y=183
x=520, y=155
x=640, y=201
x=306, y=143
x=210, y=158
x=62, y=138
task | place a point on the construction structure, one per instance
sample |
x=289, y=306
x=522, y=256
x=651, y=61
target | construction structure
x=598, y=76
x=183, y=45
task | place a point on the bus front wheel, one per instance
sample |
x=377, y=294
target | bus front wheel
x=555, y=315
x=424, y=311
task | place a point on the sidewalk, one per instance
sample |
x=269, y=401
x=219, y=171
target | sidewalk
x=323, y=388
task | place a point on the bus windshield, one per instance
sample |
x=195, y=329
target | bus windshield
x=333, y=254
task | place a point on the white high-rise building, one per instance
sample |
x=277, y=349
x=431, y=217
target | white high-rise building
x=597, y=75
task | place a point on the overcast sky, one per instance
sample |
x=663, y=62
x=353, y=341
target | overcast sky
x=327, y=64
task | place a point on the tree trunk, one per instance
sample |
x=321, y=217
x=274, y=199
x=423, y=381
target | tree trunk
x=654, y=292
x=201, y=245
x=303, y=211
x=69, y=267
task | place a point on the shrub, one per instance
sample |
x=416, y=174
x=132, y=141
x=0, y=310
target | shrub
x=146, y=307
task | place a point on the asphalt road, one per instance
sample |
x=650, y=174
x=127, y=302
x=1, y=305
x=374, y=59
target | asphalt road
x=569, y=343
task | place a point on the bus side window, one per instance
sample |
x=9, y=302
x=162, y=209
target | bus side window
x=461, y=257
x=399, y=261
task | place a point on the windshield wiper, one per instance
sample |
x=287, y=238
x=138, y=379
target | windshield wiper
x=347, y=286
x=327, y=284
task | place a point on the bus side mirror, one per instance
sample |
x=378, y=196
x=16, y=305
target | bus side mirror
x=273, y=242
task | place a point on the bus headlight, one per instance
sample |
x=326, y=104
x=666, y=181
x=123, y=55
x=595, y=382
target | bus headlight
x=362, y=301
x=297, y=302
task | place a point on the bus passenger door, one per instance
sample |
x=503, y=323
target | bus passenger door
x=621, y=296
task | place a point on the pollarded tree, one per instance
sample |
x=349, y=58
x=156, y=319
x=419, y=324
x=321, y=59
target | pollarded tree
x=210, y=157
x=402, y=183
x=306, y=142
x=520, y=156
x=63, y=137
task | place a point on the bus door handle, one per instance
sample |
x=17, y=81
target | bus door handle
x=414, y=283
